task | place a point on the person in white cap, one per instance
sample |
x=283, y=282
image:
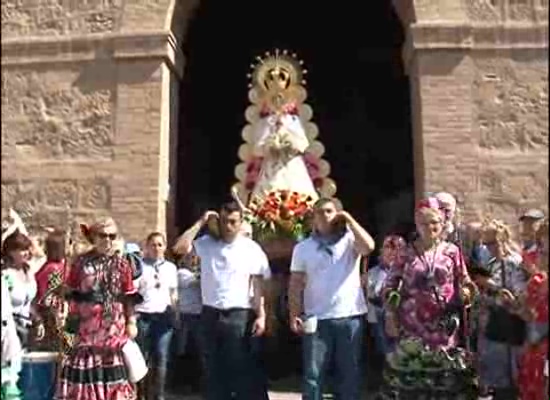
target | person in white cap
x=530, y=222
x=448, y=207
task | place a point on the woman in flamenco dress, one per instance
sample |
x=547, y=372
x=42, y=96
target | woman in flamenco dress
x=531, y=380
x=50, y=304
x=423, y=297
x=101, y=294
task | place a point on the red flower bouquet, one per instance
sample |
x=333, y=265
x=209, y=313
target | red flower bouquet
x=282, y=214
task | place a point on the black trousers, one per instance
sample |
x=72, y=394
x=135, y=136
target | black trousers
x=230, y=371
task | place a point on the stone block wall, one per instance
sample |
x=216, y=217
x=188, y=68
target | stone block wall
x=84, y=136
x=89, y=106
x=479, y=73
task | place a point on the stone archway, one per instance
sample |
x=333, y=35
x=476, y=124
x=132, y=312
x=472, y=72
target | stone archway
x=88, y=95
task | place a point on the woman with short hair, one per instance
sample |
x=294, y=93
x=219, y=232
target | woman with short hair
x=19, y=289
x=22, y=286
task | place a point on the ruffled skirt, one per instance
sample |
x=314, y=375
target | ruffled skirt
x=94, y=374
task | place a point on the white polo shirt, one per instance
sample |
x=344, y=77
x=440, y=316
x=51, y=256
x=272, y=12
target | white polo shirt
x=226, y=270
x=333, y=281
x=157, y=280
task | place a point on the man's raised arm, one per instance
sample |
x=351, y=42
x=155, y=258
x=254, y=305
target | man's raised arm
x=184, y=244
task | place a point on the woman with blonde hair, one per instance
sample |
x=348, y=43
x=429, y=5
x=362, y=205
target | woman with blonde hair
x=423, y=298
x=100, y=287
x=501, y=330
x=431, y=279
x=532, y=381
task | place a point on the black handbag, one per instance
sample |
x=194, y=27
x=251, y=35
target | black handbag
x=23, y=328
x=503, y=326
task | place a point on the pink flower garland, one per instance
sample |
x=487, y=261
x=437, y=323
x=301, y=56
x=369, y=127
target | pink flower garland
x=312, y=165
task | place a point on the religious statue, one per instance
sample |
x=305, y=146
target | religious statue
x=280, y=138
x=280, y=153
x=282, y=173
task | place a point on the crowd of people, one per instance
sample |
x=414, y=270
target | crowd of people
x=465, y=293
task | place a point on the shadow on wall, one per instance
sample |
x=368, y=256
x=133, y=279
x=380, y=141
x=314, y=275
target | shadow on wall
x=105, y=74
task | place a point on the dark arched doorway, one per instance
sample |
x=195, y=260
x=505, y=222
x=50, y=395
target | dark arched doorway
x=357, y=88
x=356, y=85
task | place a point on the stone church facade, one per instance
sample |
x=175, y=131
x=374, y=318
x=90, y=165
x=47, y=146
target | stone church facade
x=90, y=104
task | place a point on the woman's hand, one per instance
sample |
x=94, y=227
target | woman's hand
x=297, y=325
x=131, y=327
x=467, y=294
x=131, y=330
x=507, y=296
x=258, y=328
x=391, y=325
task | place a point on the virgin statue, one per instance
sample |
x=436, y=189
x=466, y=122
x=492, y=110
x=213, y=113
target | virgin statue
x=278, y=155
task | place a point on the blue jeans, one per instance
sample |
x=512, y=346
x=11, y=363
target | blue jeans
x=383, y=343
x=229, y=360
x=155, y=332
x=340, y=340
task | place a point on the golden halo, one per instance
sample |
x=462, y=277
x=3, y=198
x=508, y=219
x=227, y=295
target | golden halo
x=282, y=63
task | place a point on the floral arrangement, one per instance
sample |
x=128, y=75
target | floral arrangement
x=414, y=366
x=280, y=214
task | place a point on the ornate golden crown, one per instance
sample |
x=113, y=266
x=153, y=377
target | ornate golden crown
x=279, y=67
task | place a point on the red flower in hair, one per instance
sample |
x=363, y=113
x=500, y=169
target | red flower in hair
x=86, y=232
x=429, y=202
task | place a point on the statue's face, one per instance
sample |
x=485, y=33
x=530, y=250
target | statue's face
x=277, y=79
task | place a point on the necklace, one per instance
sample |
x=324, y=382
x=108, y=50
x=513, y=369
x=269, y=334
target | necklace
x=429, y=280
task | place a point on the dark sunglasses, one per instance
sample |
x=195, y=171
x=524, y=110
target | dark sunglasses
x=103, y=235
x=157, y=279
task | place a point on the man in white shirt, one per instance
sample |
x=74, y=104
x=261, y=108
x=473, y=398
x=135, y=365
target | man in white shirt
x=231, y=264
x=326, y=300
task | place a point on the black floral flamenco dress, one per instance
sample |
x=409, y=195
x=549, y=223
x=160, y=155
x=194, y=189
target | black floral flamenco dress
x=99, y=287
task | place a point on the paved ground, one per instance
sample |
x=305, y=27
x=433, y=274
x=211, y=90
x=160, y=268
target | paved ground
x=282, y=390
x=272, y=396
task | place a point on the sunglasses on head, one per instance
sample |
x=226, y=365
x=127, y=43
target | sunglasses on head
x=103, y=235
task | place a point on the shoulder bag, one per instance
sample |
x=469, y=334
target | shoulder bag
x=502, y=325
